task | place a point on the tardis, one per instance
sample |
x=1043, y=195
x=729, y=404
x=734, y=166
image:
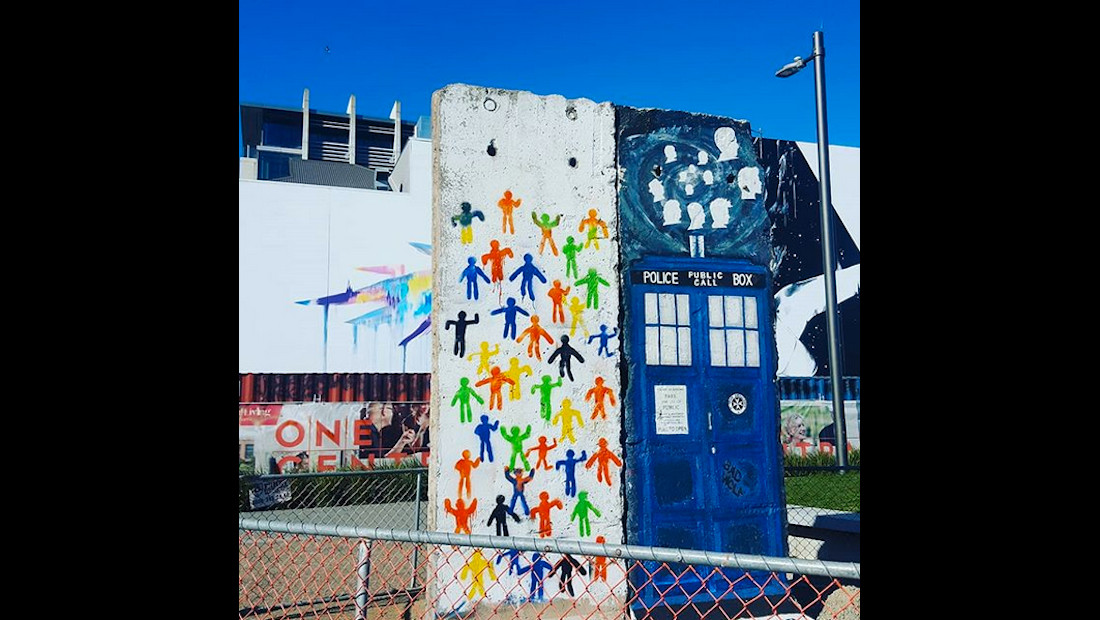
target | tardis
x=704, y=467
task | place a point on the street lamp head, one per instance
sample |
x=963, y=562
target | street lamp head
x=793, y=67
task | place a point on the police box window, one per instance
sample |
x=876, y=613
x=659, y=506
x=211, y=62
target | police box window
x=667, y=330
x=734, y=335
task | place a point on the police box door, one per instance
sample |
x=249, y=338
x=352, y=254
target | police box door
x=703, y=419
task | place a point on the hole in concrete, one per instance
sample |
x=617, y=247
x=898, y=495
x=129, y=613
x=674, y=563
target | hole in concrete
x=571, y=113
x=490, y=104
x=657, y=171
x=730, y=178
x=492, y=150
x=572, y=162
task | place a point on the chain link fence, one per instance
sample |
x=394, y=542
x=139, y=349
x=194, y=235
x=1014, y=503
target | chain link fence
x=823, y=512
x=298, y=570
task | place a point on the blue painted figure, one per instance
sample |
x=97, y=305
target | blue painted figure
x=484, y=432
x=465, y=218
x=519, y=483
x=570, y=466
x=512, y=555
x=604, y=337
x=470, y=274
x=509, y=311
x=538, y=568
x=564, y=355
x=529, y=272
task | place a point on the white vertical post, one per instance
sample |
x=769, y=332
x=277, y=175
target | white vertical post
x=395, y=114
x=351, y=130
x=305, y=124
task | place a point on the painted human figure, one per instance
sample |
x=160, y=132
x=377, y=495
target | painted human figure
x=565, y=353
x=495, y=380
x=541, y=511
x=597, y=393
x=564, y=568
x=527, y=272
x=484, y=357
x=500, y=514
x=477, y=567
x=543, y=450
x=470, y=274
x=545, y=388
x=601, y=459
x=569, y=464
x=538, y=568
x=462, y=399
x=580, y=513
x=460, y=331
x=484, y=432
x=576, y=313
x=603, y=337
x=510, y=310
x=599, y=564
x=593, y=282
x=515, y=439
x=519, y=483
x=594, y=224
x=464, y=466
x=507, y=205
x=547, y=226
x=535, y=333
x=496, y=256
x=514, y=371
x=556, y=295
x=461, y=512
x=512, y=557
x=567, y=415
x=465, y=218
x=570, y=251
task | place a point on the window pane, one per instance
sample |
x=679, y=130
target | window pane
x=652, y=346
x=651, y=308
x=666, y=305
x=733, y=312
x=750, y=312
x=668, y=346
x=735, y=347
x=682, y=310
x=752, y=348
x=717, y=346
x=714, y=306
x=684, y=336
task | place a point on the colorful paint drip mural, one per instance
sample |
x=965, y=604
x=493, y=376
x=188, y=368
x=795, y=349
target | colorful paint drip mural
x=525, y=324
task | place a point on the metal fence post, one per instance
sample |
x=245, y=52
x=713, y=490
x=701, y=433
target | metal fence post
x=416, y=548
x=362, y=595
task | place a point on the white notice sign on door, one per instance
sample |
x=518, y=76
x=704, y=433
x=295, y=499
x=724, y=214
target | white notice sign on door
x=671, y=407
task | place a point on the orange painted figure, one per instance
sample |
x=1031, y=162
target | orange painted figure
x=547, y=226
x=543, y=450
x=495, y=380
x=496, y=256
x=597, y=393
x=514, y=371
x=507, y=205
x=484, y=357
x=542, y=511
x=601, y=458
x=599, y=564
x=535, y=333
x=556, y=295
x=476, y=568
x=464, y=466
x=462, y=513
x=594, y=224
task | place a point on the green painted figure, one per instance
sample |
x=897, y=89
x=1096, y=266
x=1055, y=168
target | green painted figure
x=547, y=226
x=462, y=398
x=580, y=512
x=593, y=282
x=465, y=218
x=545, y=388
x=515, y=439
x=570, y=250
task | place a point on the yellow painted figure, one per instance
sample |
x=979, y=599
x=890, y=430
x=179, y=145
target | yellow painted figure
x=484, y=357
x=576, y=312
x=476, y=567
x=513, y=372
x=567, y=415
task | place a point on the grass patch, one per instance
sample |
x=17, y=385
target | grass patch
x=825, y=490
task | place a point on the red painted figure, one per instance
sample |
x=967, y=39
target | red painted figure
x=464, y=466
x=601, y=458
x=542, y=511
x=535, y=333
x=599, y=564
x=557, y=294
x=495, y=380
x=598, y=393
x=496, y=256
x=461, y=513
x=543, y=450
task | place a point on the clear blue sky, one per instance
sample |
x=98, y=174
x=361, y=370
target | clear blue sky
x=709, y=56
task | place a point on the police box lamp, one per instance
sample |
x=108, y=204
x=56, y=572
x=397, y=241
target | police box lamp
x=828, y=262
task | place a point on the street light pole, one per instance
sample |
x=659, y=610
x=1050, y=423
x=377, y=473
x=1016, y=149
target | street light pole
x=827, y=251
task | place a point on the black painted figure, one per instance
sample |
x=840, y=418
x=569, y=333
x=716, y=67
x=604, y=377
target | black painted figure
x=566, y=565
x=565, y=352
x=460, y=332
x=500, y=515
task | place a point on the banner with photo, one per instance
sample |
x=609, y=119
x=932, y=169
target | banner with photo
x=318, y=437
x=807, y=426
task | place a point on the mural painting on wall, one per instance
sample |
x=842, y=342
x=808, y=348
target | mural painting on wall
x=525, y=254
